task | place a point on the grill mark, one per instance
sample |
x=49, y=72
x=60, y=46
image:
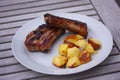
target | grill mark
x=38, y=33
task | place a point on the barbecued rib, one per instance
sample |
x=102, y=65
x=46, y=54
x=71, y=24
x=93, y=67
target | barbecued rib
x=42, y=38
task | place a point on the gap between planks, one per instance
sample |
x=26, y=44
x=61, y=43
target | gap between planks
x=10, y=67
x=41, y=4
x=68, y=9
x=9, y=3
x=43, y=8
x=96, y=71
x=23, y=21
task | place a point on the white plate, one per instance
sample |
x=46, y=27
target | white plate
x=42, y=62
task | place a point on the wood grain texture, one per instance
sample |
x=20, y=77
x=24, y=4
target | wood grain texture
x=20, y=17
x=19, y=68
x=21, y=75
x=5, y=46
x=43, y=8
x=80, y=76
x=112, y=76
x=8, y=31
x=13, y=14
x=110, y=60
x=22, y=22
x=12, y=69
x=110, y=14
x=44, y=3
x=89, y=73
x=11, y=2
x=6, y=39
x=8, y=61
x=6, y=54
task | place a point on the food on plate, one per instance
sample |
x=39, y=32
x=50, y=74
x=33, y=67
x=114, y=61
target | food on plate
x=77, y=40
x=84, y=57
x=42, y=38
x=81, y=44
x=70, y=45
x=77, y=50
x=89, y=48
x=59, y=61
x=62, y=49
x=74, y=37
x=67, y=24
x=72, y=52
x=95, y=43
x=73, y=62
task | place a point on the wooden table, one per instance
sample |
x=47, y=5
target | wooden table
x=15, y=13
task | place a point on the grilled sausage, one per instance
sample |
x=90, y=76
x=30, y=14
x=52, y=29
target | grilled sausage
x=67, y=24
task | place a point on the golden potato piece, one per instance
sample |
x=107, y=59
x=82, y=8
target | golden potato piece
x=73, y=62
x=81, y=43
x=73, y=36
x=59, y=61
x=84, y=57
x=89, y=48
x=72, y=52
x=70, y=45
x=76, y=40
x=95, y=43
x=71, y=41
x=79, y=36
x=62, y=49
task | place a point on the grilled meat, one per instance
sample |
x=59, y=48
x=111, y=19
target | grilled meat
x=67, y=24
x=42, y=38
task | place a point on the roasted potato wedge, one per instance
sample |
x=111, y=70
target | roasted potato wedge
x=95, y=43
x=59, y=61
x=84, y=57
x=73, y=62
x=72, y=52
x=89, y=48
x=62, y=49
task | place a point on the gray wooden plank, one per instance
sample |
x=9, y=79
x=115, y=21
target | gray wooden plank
x=21, y=75
x=114, y=51
x=95, y=17
x=12, y=31
x=8, y=31
x=6, y=39
x=8, y=69
x=43, y=8
x=11, y=2
x=12, y=69
x=5, y=54
x=110, y=60
x=20, y=17
x=8, y=61
x=110, y=14
x=86, y=12
x=37, y=4
x=5, y=46
x=13, y=24
x=3, y=61
x=15, y=72
x=105, y=69
x=79, y=76
x=112, y=76
x=20, y=23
